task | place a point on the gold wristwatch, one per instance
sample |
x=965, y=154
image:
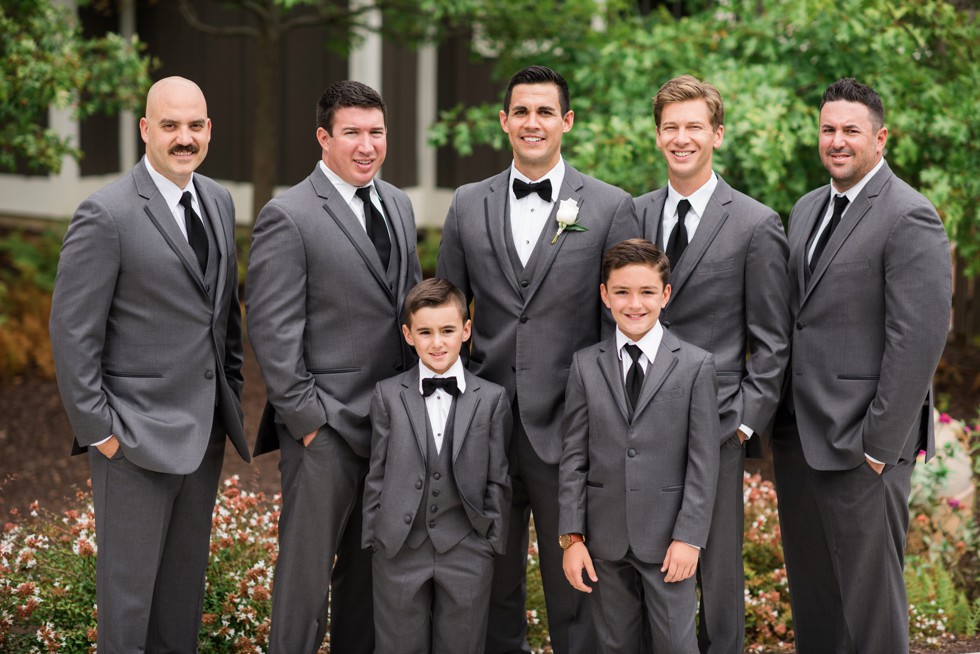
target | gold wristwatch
x=565, y=540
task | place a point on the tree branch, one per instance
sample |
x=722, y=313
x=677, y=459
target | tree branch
x=190, y=15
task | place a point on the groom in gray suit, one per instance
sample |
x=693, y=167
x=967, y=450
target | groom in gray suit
x=147, y=341
x=534, y=284
x=871, y=281
x=331, y=263
x=730, y=297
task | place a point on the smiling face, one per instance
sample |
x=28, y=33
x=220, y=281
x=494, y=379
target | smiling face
x=357, y=147
x=635, y=294
x=850, y=144
x=688, y=141
x=534, y=124
x=437, y=334
x=176, y=128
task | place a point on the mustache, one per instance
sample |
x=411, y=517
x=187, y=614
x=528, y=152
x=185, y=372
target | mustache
x=184, y=149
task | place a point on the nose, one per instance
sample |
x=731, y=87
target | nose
x=838, y=140
x=184, y=136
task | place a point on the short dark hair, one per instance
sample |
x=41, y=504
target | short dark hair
x=347, y=93
x=851, y=90
x=539, y=75
x=635, y=251
x=688, y=87
x=434, y=292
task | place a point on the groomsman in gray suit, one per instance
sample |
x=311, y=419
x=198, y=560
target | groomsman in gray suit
x=534, y=284
x=147, y=341
x=871, y=282
x=332, y=260
x=728, y=256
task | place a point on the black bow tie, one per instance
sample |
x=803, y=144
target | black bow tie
x=447, y=384
x=542, y=188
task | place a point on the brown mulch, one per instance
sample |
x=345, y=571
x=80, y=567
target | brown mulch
x=35, y=439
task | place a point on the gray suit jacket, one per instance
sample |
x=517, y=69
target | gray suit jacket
x=870, y=325
x=323, y=320
x=730, y=296
x=644, y=483
x=143, y=348
x=481, y=427
x=527, y=327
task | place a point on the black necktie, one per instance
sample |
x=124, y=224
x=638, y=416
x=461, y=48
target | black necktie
x=374, y=224
x=840, y=203
x=678, y=235
x=196, y=236
x=634, y=376
x=542, y=188
x=447, y=384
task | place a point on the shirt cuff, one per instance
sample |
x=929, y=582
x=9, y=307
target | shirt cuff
x=102, y=441
x=873, y=460
x=748, y=431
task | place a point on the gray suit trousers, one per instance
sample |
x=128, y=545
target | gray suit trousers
x=535, y=488
x=312, y=531
x=844, y=534
x=153, y=531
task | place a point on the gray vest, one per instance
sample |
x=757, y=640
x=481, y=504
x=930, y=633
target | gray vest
x=525, y=274
x=441, y=515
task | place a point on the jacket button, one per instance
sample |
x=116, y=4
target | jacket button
x=631, y=453
x=523, y=318
x=524, y=283
x=208, y=374
x=418, y=485
x=408, y=519
x=799, y=325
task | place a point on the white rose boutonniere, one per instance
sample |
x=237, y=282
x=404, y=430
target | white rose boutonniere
x=567, y=218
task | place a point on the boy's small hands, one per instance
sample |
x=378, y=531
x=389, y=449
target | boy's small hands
x=681, y=561
x=574, y=559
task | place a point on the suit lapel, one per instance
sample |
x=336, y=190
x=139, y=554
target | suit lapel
x=466, y=405
x=162, y=218
x=415, y=407
x=653, y=215
x=341, y=214
x=571, y=186
x=397, y=221
x=715, y=215
x=610, y=366
x=800, y=235
x=218, y=229
x=495, y=207
x=657, y=373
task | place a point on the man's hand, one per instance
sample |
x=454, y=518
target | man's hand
x=877, y=467
x=680, y=563
x=742, y=436
x=309, y=437
x=109, y=448
x=574, y=559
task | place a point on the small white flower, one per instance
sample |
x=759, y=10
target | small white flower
x=567, y=217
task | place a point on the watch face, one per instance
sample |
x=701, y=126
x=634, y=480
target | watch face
x=564, y=541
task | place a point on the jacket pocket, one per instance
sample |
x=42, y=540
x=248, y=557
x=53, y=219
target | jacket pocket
x=859, y=377
x=331, y=371
x=672, y=489
x=133, y=375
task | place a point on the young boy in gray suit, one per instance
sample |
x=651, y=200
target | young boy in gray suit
x=639, y=462
x=437, y=489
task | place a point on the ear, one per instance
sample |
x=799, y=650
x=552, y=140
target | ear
x=467, y=328
x=323, y=138
x=719, y=136
x=567, y=121
x=145, y=130
x=666, y=296
x=604, y=295
x=407, y=333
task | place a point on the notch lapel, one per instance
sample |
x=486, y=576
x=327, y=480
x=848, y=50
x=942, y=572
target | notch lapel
x=466, y=405
x=415, y=407
x=658, y=372
x=653, y=215
x=610, y=366
x=495, y=208
x=397, y=221
x=162, y=218
x=799, y=237
x=341, y=214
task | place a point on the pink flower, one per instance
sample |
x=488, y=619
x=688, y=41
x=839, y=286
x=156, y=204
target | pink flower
x=953, y=503
x=945, y=419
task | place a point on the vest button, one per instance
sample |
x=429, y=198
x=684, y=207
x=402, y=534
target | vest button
x=631, y=453
x=434, y=508
x=432, y=524
x=418, y=485
x=408, y=519
x=436, y=475
x=435, y=493
x=524, y=283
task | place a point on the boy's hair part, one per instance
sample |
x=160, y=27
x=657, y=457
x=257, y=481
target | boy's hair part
x=688, y=87
x=539, y=75
x=635, y=251
x=434, y=292
x=342, y=95
x=851, y=90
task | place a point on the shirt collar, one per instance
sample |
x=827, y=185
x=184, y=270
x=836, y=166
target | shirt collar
x=699, y=199
x=171, y=192
x=346, y=189
x=852, y=192
x=556, y=175
x=455, y=370
x=649, y=344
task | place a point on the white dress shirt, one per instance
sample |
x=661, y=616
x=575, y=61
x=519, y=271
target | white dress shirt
x=699, y=202
x=648, y=345
x=851, y=194
x=529, y=214
x=348, y=193
x=171, y=195
x=440, y=402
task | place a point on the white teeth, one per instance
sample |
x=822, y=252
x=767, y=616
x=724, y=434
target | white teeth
x=684, y=153
x=533, y=139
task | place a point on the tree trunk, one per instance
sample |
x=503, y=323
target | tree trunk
x=265, y=146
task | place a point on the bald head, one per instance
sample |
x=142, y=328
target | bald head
x=176, y=128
